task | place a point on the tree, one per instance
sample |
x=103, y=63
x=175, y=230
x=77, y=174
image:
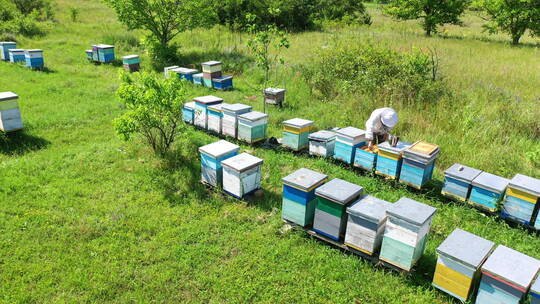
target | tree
x=154, y=109
x=432, y=12
x=514, y=17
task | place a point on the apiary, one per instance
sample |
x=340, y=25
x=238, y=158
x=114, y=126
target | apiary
x=167, y=70
x=222, y=83
x=390, y=159
x=299, y=196
x=535, y=292
x=242, y=175
x=418, y=164
x=506, y=277
x=10, y=115
x=296, y=133
x=487, y=191
x=16, y=55
x=366, y=223
x=188, y=112
x=229, y=123
x=460, y=257
x=366, y=157
x=215, y=116
x=252, y=126
x=458, y=182
x=34, y=59
x=103, y=53
x=198, y=79
x=4, y=49
x=322, y=143
x=347, y=140
x=185, y=73
x=520, y=202
x=212, y=156
x=274, y=96
x=131, y=63
x=201, y=109
x=333, y=198
x=406, y=233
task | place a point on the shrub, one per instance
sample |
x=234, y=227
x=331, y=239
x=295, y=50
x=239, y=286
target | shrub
x=42, y=8
x=13, y=22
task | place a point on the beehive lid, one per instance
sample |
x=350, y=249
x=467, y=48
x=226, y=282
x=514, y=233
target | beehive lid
x=222, y=78
x=274, y=91
x=411, y=211
x=242, y=162
x=323, y=135
x=104, y=46
x=171, y=68
x=198, y=75
x=8, y=96
x=34, y=51
x=463, y=173
x=398, y=149
x=339, y=191
x=17, y=50
x=536, y=286
x=190, y=105
x=466, y=247
x=237, y=108
x=219, y=148
x=253, y=116
x=304, y=179
x=130, y=57
x=8, y=43
x=298, y=123
x=512, y=266
x=526, y=184
x=186, y=70
x=90, y=51
x=351, y=132
x=216, y=107
x=211, y=63
x=491, y=182
x=208, y=99
x=370, y=207
x=422, y=147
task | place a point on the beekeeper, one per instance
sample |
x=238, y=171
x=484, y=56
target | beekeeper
x=379, y=125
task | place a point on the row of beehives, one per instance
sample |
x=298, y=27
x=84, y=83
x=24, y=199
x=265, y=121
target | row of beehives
x=31, y=58
x=104, y=53
x=211, y=76
x=396, y=234
x=10, y=115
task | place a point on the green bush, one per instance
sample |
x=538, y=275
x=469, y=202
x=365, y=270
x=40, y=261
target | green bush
x=379, y=72
x=43, y=9
x=13, y=22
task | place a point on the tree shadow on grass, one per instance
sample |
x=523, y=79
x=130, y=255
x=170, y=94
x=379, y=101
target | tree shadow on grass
x=233, y=61
x=19, y=143
x=491, y=40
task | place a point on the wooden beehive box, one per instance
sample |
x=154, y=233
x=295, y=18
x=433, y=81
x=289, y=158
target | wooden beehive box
x=10, y=115
x=201, y=109
x=222, y=83
x=274, y=96
x=521, y=200
x=347, y=140
x=322, y=143
x=188, y=112
x=229, y=122
x=215, y=116
x=131, y=63
x=252, y=126
x=212, y=156
x=5, y=46
x=186, y=73
x=366, y=158
x=198, y=79
x=390, y=159
x=535, y=291
x=458, y=182
x=418, y=164
x=242, y=175
x=16, y=55
x=167, y=70
x=487, y=191
x=34, y=59
x=296, y=132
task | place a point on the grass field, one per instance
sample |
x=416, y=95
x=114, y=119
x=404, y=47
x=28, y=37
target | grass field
x=86, y=218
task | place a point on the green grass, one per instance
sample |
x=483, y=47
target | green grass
x=87, y=218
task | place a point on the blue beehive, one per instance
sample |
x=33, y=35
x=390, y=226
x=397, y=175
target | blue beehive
x=418, y=164
x=458, y=182
x=366, y=157
x=506, y=277
x=487, y=191
x=521, y=199
x=4, y=49
x=103, y=53
x=185, y=73
x=390, y=159
x=535, y=292
x=223, y=83
x=198, y=79
x=89, y=55
x=16, y=55
x=34, y=59
x=188, y=112
x=211, y=157
x=347, y=140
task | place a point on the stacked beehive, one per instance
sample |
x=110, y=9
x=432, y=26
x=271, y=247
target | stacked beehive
x=5, y=46
x=242, y=175
x=212, y=156
x=406, y=233
x=506, y=277
x=10, y=115
x=418, y=164
x=487, y=191
x=211, y=70
x=296, y=132
x=333, y=198
x=167, y=70
x=229, y=123
x=188, y=112
x=103, y=53
x=132, y=63
x=366, y=224
x=458, y=181
x=366, y=157
x=274, y=96
x=16, y=55
x=535, y=292
x=215, y=116
x=390, y=159
x=460, y=257
x=521, y=200
x=322, y=143
x=34, y=59
x=299, y=196
x=252, y=126
x=347, y=140
x=201, y=109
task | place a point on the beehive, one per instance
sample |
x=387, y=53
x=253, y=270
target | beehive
x=296, y=132
x=487, y=191
x=458, y=182
x=211, y=66
x=535, y=292
x=333, y=198
x=34, y=59
x=167, y=70
x=322, y=143
x=521, y=200
x=5, y=46
x=212, y=156
x=215, y=116
x=506, y=276
x=10, y=115
x=460, y=257
x=185, y=73
x=418, y=164
x=252, y=126
x=16, y=55
x=201, y=109
x=198, y=79
x=299, y=196
x=347, y=140
x=103, y=53
x=366, y=223
x=188, y=112
x=390, y=159
x=131, y=63
x=89, y=55
x=242, y=175
x=406, y=233
x=274, y=96
x=222, y=83
x=229, y=123
x=366, y=157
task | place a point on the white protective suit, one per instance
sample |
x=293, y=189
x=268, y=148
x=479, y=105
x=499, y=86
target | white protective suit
x=381, y=122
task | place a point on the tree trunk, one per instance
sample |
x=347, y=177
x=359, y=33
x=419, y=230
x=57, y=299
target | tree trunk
x=515, y=39
x=428, y=32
